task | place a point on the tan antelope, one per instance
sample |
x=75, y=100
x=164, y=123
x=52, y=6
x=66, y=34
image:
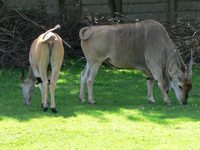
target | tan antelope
x=145, y=46
x=46, y=54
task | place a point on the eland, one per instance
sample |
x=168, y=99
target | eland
x=145, y=46
x=45, y=57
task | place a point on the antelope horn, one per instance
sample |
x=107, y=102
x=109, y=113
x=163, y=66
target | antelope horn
x=191, y=61
x=189, y=67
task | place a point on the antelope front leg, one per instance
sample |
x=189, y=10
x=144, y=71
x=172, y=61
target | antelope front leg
x=158, y=75
x=166, y=98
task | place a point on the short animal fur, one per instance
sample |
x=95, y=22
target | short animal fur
x=145, y=46
x=46, y=51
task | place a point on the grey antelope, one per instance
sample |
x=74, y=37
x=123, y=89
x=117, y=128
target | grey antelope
x=145, y=46
x=46, y=53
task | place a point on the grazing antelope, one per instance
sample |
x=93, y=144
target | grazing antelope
x=145, y=46
x=46, y=54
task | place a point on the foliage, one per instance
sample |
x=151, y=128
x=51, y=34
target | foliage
x=19, y=28
x=122, y=118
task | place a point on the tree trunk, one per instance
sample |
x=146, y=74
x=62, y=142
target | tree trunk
x=115, y=7
x=61, y=4
x=118, y=6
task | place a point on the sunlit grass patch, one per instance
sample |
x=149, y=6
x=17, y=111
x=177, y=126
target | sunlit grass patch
x=122, y=118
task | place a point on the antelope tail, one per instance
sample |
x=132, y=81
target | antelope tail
x=52, y=37
x=85, y=33
x=53, y=29
x=50, y=30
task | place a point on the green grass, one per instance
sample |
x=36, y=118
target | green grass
x=122, y=118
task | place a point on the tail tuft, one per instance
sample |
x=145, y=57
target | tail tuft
x=57, y=27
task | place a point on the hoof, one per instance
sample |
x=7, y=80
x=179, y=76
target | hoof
x=168, y=103
x=184, y=103
x=42, y=105
x=54, y=110
x=151, y=102
x=81, y=100
x=92, y=102
x=45, y=109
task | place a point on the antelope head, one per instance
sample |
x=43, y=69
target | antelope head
x=182, y=83
x=27, y=86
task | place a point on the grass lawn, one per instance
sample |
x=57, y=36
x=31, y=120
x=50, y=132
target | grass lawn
x=122, y=118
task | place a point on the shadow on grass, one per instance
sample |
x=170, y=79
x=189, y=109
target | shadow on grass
x=119, y=92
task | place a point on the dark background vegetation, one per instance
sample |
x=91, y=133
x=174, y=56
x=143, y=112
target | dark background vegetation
x=18, y=28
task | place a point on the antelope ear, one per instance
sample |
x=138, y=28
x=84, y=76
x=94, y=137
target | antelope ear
x=21, y=78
